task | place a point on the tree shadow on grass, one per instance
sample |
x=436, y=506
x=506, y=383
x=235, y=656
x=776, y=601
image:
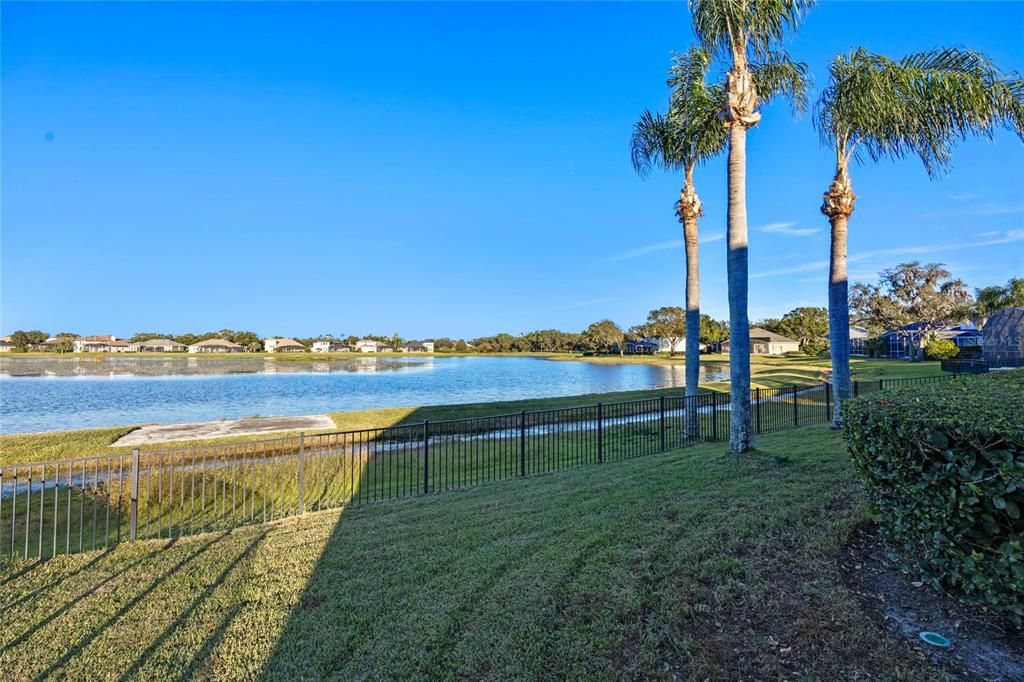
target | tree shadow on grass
x=99, y=588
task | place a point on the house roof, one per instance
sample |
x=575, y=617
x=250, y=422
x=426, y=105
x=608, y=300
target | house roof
x=758, y=333
x=101, y=337
x=7, y=340
x=946, y=332
x=105, y=342
x=160, y=342
x=222, y=343
x=286, y=343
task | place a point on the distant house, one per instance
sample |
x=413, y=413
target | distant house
x=764, y=342
x=215, y=346
x=641, y=347
x=330, y=347
x=369, y=346
x=53, y=341
x=102, y=344
x=6, y=345
x=160, y=346
x=419, y=347
x=283, y=346
x=904, y=342
x=858, y=341
x=652, y=344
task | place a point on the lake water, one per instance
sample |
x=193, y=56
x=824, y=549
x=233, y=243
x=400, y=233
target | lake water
x=43, y=394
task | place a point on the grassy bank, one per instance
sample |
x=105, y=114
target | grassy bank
x=767, y=372
x=772, y=371
x=692, y=564
x=77, y=443
x=187, y=491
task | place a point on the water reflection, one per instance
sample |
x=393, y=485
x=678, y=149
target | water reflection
x=42, y=394
x=187, y=366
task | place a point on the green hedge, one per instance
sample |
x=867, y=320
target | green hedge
x=943, y=465
x=941, y=349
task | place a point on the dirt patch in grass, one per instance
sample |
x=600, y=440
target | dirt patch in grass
x=983, y=647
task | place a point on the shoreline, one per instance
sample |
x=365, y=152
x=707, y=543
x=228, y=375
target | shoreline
x=767, y=372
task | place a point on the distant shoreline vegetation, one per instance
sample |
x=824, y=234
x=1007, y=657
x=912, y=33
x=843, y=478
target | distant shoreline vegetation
x=878, y=308
x=604, y=336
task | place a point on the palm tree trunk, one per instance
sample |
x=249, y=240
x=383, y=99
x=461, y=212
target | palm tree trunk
x=741, y=436
x=838, y=206
x=692, y=307
x=689, y=210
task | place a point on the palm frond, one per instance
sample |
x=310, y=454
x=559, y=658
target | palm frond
x=723, y=26
x=655, y=142
x=690, y=132
x=918, y=106
x=780, y=76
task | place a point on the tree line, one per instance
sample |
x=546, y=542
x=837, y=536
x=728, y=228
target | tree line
x=907, y=293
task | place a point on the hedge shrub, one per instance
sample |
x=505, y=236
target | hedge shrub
x=941, y=349
x=943, y=465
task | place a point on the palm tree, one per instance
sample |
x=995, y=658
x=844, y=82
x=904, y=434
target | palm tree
x=688, y=135
x=745, y=32
x=988, y=300
x=875, y=108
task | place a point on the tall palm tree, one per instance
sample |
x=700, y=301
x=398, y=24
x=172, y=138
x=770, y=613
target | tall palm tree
x=744, y=32
x=688, y=135
x=875, y=108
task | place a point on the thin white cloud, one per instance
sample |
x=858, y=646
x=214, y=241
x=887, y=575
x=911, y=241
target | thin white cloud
x=662, y=246
x=983, y=239
x=788, y=229
x=963, y=196
x=650, y=248
x=979, y=210
x=806, y=267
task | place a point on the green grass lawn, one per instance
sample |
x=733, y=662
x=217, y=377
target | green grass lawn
x=690, y=564
x=772, y=371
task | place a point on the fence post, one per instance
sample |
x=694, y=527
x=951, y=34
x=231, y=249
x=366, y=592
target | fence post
x=522, y=443
x=426, y=456
x=714, y=416
x=828, y=402
x=856, y=389
x=881, y=384
x=600, y=444
x=757, y=409
x=133, y=528
x=796, y=416
x=661, y=410
x=302, y=473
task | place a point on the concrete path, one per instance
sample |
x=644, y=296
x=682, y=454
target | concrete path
x=162, y=433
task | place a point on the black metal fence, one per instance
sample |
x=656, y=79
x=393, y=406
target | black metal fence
x=49, y=508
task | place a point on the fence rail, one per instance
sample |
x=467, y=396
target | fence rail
x=74, y=505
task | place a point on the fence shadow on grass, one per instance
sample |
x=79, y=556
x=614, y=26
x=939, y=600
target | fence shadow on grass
x=99, y=590
x=186, y=613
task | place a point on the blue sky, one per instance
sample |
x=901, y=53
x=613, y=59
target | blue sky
x=433, y=169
